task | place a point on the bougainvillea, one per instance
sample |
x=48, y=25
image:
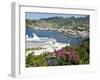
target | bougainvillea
x=60, y=53
x=69, y=54
x=73, y=56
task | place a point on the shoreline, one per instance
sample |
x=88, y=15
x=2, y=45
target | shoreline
x=65, y=32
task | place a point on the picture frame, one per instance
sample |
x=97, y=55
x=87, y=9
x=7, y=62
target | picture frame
x=18, y=38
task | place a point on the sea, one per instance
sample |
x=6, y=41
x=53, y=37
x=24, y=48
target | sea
x=54, y=34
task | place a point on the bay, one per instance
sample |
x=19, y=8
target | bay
x=54, y=34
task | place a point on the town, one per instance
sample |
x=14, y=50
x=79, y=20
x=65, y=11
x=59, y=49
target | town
x=75, y=27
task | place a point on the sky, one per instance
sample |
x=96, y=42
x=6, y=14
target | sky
x=34, y=15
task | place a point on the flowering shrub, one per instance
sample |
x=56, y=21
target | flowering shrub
x=73, y=56
x=68, y=54
x=60, y=53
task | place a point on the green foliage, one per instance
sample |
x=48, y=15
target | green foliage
x=84, y=56
x=85, y=44
x=30, y=60
x=83, y=51
x=36, y=60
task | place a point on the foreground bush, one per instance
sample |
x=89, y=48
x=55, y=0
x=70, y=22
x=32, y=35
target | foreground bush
x=69, y=55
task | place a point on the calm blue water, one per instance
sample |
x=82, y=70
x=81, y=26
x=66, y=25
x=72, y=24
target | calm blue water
x=54, y=34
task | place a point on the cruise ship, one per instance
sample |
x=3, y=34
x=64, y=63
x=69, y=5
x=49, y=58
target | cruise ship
x=47, y=44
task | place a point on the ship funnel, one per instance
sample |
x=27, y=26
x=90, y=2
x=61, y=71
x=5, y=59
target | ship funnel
x=35, y=37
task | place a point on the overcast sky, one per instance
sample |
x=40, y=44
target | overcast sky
x=32, y=15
